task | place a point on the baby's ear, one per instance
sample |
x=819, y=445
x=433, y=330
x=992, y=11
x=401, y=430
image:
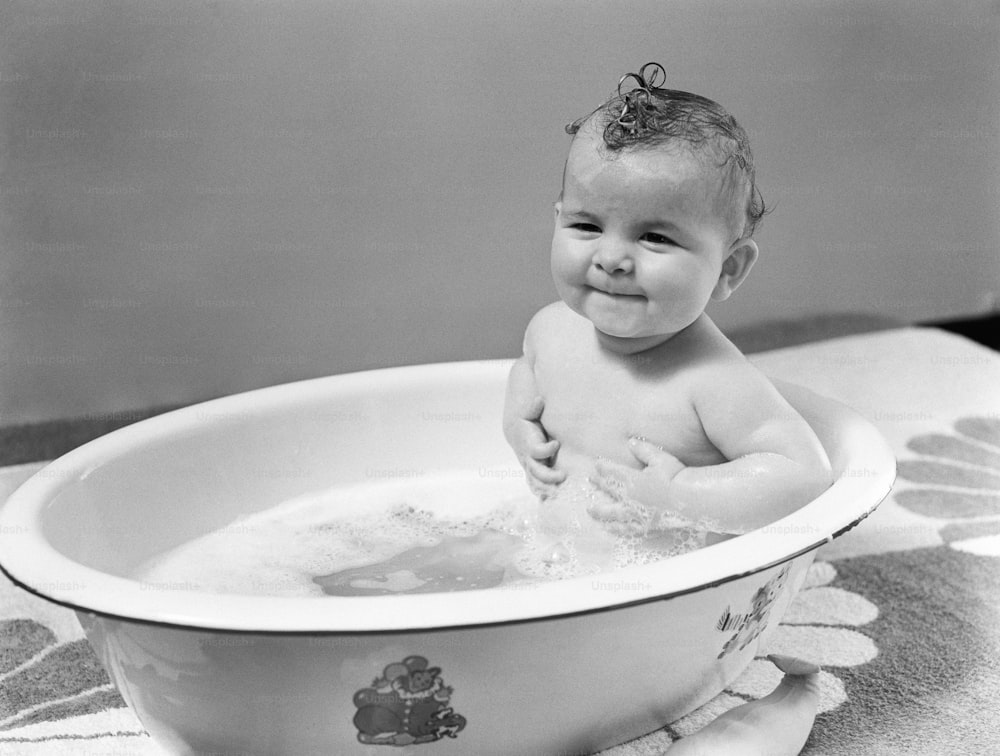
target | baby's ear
x=736, y=267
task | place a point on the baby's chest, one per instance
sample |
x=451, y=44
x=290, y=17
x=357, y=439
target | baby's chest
x=596, y=412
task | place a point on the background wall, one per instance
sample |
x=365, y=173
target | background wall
x=200, y=198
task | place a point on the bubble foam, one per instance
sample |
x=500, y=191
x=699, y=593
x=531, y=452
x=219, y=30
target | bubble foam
x=447, y=532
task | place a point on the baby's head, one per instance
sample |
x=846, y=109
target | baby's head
x=649, y=117
x=657, y=207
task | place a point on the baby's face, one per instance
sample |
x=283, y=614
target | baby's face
x=639, y=239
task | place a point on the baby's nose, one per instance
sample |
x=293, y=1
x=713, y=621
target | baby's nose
x=612, y=257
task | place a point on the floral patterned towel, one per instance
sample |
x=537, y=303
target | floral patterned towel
x=903, y=612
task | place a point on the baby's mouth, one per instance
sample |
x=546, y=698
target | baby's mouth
x=614, y=292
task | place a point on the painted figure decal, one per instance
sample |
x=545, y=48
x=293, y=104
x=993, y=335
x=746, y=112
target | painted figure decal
x=749, y=625
x=408, y=704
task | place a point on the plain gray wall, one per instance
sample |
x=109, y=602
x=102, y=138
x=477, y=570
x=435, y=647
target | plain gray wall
x=200, y=198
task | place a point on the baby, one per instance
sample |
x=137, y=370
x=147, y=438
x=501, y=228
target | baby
x=626, y=388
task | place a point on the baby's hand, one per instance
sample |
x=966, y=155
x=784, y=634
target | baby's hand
x=535, y=451
x=635, y=497
x=617, y=513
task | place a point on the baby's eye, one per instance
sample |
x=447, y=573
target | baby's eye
x=587, y=228
x=654, y=238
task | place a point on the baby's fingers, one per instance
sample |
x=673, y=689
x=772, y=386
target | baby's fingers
x=606, y=511
x=618, y=518
x=544, y=450
x=613, y=478
x=613, y=487
x=542, y=490
x=653, y=456
x=543, y=473
x=646, y=452
x=535, y=409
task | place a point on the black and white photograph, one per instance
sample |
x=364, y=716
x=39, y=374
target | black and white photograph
x=499, y=377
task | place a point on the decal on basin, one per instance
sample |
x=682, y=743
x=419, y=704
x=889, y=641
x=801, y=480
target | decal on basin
x=409, y=703
x=751, y=623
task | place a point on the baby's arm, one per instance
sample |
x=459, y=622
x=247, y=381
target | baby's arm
x=777, y=463
x=523, y=428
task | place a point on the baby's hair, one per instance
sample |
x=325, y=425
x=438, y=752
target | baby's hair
x=650, y=116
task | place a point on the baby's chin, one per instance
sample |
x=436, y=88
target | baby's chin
x=630, y=341
x=622, y=325
x=651, y=330
x=623, y=331
x=618, y=328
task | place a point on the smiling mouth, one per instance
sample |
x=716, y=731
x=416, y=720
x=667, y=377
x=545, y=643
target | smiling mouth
x=622, y=294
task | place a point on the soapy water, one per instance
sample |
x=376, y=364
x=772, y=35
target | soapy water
x=448, y=532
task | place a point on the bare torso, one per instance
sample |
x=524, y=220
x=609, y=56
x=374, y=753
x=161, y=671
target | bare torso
x=595, y=399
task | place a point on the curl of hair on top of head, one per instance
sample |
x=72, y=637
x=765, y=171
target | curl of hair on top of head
x=657, y=117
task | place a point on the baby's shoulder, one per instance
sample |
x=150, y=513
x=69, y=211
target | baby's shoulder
x=556, y=314
x=554, y=321
x=715, y=362
x=727, y=380
x=556, y=333
x=725, y=368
